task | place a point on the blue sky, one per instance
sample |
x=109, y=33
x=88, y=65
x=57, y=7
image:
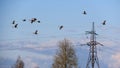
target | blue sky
x=35, y=49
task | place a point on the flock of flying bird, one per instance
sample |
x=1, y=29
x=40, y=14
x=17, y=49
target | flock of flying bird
x=33, y=20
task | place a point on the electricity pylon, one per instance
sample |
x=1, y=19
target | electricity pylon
x=93, y=58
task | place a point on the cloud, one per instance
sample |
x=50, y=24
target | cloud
x=6, y=63
x=34, y=65
x=115, y=61
x=50, y=44
x=33, y=53
x=30, y=64
x=36, y=45
x=33, y=62
x=110, y=57
x=40, y=56
x=36, y=50
x=31, y=59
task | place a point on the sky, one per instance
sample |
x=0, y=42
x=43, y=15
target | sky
x=39, y=50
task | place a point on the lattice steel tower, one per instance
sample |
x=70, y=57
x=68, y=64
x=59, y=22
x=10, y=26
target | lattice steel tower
x=93, y=58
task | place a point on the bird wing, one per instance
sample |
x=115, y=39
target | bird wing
x=13, y=22
x=61, y=27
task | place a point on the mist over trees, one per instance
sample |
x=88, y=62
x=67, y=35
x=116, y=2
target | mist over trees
x=65, y=56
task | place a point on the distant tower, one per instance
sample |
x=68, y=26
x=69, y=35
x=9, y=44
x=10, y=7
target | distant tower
x=93, y=58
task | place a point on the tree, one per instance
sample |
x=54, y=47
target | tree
x=19, y=63
x=65, y=56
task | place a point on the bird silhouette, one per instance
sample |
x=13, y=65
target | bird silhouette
x=13, y=22
x=38, y=21
x=33, y=20
x=16, y=25
x=84, y=12
x=24, y=20
x=60, y=27
x=36, y=32
x=104, y=22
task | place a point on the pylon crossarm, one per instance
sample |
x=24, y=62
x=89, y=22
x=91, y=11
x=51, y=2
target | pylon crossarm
x=90, y=32
x=83, y=44
x=99, y=43
x=89, y=43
